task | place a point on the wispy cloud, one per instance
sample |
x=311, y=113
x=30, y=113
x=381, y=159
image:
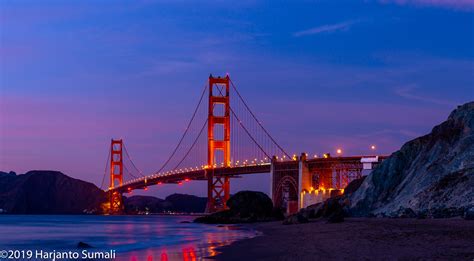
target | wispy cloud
x=328, y=28
x=407, y=92
x=467, y=5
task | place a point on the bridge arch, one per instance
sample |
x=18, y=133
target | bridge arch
x=286, y=191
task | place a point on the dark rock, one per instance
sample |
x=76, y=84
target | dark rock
x=278, y=213
x=469, y=213
x=432, y=174
x=247, y=204
x=48, y=192
x=316, y=210
x=297, y=218
x=221, y=217
x=332, y=206
x=83, y=245
x=244, y=207
x=353, y=185
x=406, y=213
x=336, y=217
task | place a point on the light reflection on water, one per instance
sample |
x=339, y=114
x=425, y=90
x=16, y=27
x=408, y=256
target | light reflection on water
x=132, y=237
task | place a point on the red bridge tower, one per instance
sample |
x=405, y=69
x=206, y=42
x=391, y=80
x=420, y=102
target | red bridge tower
x=218, y=189
x=116, y=174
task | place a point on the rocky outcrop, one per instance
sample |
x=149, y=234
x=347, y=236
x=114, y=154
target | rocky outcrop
x=244, y=207
x=431, y=176
x=48, y=192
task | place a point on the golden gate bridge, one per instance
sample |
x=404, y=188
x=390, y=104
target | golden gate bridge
x=236, y=144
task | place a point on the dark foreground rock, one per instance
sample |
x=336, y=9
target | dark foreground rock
x=83, y=245
x=244, y=207
x=48, y=192
x=431, y=176
x=332, y=210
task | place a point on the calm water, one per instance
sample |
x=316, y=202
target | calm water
x=132, y=237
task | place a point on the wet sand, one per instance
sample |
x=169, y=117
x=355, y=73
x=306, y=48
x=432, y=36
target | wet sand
x=358, y=239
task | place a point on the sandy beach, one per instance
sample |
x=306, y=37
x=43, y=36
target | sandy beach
x=358, y=239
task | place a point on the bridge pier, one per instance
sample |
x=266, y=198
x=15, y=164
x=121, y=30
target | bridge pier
x=302, y=182
x=116, y=203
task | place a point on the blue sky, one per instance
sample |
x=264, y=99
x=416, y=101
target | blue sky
x=346, y=74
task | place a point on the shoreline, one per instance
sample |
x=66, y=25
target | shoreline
x=364, y=238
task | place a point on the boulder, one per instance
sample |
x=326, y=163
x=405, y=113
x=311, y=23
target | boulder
x=244, y=207
x=247, y=204
x=336, y=217
x=297, y=218
x=83, y=245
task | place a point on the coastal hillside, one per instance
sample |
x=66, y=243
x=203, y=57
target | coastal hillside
x=181, y=203
x=47, y=192
x=430, y=176
x=52, y=192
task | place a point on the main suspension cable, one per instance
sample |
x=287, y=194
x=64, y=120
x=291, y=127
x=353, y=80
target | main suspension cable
x=185, y=132
x=130, y=158
x=259, y=123
x=106, y=166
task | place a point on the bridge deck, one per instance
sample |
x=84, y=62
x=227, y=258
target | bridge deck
x=175, y=177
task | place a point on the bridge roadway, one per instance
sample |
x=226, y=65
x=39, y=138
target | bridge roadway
x=179, y=176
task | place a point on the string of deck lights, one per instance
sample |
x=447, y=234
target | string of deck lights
x=237, y=163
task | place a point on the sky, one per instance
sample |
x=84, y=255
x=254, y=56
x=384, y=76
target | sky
x=320, y=75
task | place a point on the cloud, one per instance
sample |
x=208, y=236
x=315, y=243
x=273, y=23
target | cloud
x=452, y=4
x=407, y=92
x=328, y=28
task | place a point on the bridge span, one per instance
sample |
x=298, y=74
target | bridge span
x=234, y=135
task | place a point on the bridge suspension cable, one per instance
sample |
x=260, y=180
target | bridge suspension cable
x=186, y=130
x=255, y=118
x=192, y=146
x=244, y=128
x=106, y=167
x=130, y=158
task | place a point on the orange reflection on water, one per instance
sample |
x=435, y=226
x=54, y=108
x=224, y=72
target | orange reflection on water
x=164, y=256
x=189, y=254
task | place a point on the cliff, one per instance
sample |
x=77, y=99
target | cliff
x=430, y=176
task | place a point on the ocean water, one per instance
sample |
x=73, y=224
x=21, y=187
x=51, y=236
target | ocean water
x=150, y=237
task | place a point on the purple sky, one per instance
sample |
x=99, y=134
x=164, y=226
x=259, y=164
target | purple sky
x=319, y=74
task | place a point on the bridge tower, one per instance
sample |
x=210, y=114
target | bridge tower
x=218, y=188
x=116, y=175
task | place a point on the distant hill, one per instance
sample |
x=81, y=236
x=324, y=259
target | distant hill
x=430, y=176
x=52, y=192
x=180, y=203
x=187, y=203
x=47, y=192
